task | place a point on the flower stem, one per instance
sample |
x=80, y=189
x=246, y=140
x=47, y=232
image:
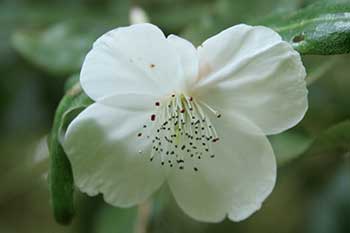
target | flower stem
x=144, y=212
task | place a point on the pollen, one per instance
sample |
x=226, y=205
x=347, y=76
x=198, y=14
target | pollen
x=181, y=133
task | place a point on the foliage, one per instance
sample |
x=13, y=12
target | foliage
x=61, y=177
x=333, y=141
x=322, y=28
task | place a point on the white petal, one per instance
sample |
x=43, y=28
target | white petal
x=131, y=102
x=188, y=57
x=134, y=59
x=235, y=182
x=252, y=72
x=103, y=146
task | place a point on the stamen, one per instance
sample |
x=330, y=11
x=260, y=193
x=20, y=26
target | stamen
x=181, y=133
x=218, y=115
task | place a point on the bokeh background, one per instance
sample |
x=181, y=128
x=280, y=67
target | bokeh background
x=42, y=43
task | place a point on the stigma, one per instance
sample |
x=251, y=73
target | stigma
x=180, y=132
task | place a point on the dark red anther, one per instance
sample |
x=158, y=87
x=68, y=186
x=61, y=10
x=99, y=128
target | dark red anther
x=139, y=134
x=182, y=110
x=157, y=104
x=153, y=117
x=218, y=116
x=215, y=139
x=191, y=98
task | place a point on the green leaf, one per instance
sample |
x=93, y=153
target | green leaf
x=322, y=28
x=333, y=141
x=288, y=146
x=71, y=82
x=59, y=49
x=61, y=177
x=207, y=19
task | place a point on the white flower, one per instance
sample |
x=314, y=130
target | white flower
x=193, y=118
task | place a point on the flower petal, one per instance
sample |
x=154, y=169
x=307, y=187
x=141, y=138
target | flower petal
x=251, y=71
x=103, y=146
x=235, y=182
x=131, y=102
x=134, y=59
x=188, y=57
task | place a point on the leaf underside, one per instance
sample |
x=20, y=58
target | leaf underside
x=61, y=176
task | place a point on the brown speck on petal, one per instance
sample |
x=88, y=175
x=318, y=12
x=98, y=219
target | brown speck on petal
x=152, y=65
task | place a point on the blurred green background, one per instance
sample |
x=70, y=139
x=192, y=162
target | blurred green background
x=42, y=43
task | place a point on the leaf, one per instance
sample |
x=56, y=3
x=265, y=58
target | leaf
x=322, y=28
x=61, y=177
x=59, y=49
x=333, y=141
x=212, y=17
x=71, y=81
x=288, y=146
x=80, y=102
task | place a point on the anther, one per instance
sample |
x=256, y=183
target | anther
x=181, y=130
x=153, y=117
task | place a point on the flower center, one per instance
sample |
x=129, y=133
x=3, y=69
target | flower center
x=181, y=132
